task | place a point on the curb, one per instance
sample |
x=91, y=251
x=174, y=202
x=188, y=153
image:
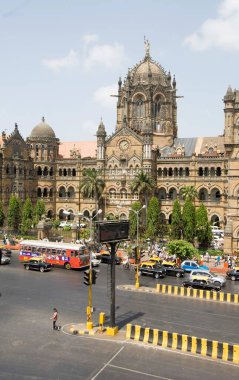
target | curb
x=185, y=343
x=181, y=291
x=197, y=293
x=80, y=329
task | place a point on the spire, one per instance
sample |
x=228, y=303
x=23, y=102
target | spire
x=174, y=82
x=147, y=48
x=16, y=127
x=43, y=119
x=120, y=83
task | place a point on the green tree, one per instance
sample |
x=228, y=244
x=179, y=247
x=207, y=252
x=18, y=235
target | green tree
x=143, y=184
x=153, y=218
x=2, y=216
x=177, y=222
x=189, y=221
x=39, y=210
x=136, y=206
x=92, y=186
x=189, y=192
x=27, y=216
x=203, y=228
x=182, y=249
x=14, y=212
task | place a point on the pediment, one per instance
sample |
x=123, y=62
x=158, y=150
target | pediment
x=127, y=132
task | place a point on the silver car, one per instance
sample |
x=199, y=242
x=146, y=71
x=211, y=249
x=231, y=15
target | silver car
x=5, y=260
x=214, y=278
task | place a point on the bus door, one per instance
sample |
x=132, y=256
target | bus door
x=74, y=258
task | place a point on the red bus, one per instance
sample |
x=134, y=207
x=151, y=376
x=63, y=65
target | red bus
x=65, y=255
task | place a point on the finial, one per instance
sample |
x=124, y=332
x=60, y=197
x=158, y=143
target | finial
x=43, y=119
x=147, y=47
x=16, y=126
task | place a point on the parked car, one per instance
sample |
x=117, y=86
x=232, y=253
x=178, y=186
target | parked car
x=149, y=268
x=6, y=252
x=189, y=265
x=65, y=223
x=233, y=274
x=37, y=263
x=5, y=260
x=202, y=283
x=214, y=278
x=95, y=262
x=106, y=259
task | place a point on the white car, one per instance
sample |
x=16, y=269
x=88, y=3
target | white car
x=65, y=223
x=94, y=261
x=214, y=278
x=5, y=260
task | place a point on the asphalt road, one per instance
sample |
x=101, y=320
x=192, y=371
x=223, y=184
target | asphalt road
x=30, y=349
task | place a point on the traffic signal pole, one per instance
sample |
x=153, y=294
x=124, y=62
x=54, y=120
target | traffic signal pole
x=112, y=329
x=89, y=323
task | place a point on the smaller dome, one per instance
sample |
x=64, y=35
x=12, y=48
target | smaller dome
x=43, y=130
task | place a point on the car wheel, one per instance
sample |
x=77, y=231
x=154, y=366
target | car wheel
x=233, y=278
x=27, y=267
x=67, y=266
x=156, y=276
x=41, y=269
x=217, y=283
x=178, y=274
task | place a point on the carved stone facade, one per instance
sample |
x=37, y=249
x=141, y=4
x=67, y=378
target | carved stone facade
x=145, y=137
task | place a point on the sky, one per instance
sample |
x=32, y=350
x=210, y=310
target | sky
x=62, y=59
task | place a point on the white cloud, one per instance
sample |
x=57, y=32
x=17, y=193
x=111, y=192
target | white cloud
x=109, y=56
x=103, y=98
x=89, y=38
x=71, y=60
x=221, y=32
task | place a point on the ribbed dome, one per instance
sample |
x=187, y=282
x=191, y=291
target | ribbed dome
x=43, y=130
x=147, y=67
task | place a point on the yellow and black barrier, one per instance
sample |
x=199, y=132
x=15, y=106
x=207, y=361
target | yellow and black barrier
x=197, y=293
x=185, y=343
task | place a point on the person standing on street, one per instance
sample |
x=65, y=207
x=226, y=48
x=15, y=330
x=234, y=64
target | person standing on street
x=54, y=318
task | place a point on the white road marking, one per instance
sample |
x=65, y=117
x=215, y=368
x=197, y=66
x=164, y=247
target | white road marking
x=139, y=372
x=106, y=364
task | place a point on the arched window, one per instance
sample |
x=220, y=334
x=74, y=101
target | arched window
x=170, y=172
x=112, y=194
x=60, y=172
x=62, y=215
x=160, y=172
x=156, y=106
x=45, y=192
x=51, y=171
x=39, y=192
x=162, y=193
x=200, y=172
x=139, y=106
x=45, y=171
x=62, y=192
x=212, y=172
x=7, y=169
x=172, y=194
x=64, y=172
x=123, y=194
x=180, y=172
x=187, y=172
x=50, y=214
x=206, y=172
x=73, y=172
x=51, y=192
x=165, y=172
x=86, y=213
x=175, y=172
x=39, y=171
x=135, y=196
x=218, y=172
x=69, y=172
x=203, y=194
x=71, y=192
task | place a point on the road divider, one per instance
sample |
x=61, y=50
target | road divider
x=205, y=347
x=197, y=293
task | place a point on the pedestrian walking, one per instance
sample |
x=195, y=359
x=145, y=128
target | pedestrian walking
x=54, y=319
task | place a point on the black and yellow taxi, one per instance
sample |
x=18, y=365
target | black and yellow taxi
x=170, y=266
x=233, y=274
x=150, y=268
x=37, y=263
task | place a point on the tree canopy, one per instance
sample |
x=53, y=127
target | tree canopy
x=92, y=185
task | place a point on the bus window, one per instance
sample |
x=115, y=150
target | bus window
x=48, y=251
x=39, y=250
x=43, y=250
x=73, y=254
x=58, y=252
x=33, y=249
x=63, y=252
x=28, y=249
x=53, y=251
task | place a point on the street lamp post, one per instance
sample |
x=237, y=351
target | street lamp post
x=137, y=243
x=79, y=215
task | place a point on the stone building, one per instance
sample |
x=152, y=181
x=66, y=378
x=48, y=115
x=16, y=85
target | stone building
x=146, y=137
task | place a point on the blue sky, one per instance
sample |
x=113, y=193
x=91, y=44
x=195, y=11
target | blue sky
x=61, y=59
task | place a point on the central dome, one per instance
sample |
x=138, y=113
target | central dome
x=43, y=130
x=147, y=67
